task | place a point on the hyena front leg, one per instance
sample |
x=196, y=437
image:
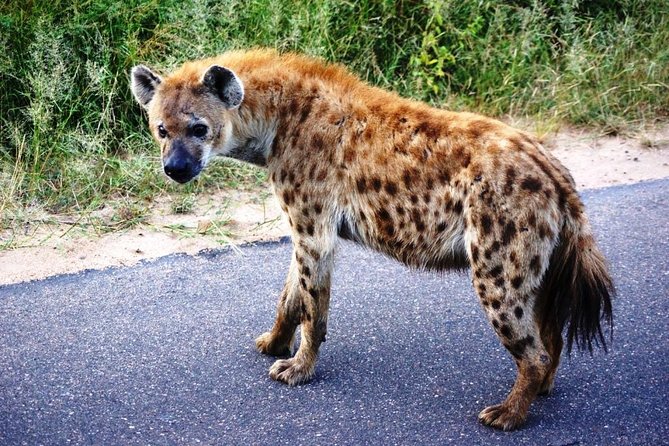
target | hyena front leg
x=306, y=301
x=280, y=339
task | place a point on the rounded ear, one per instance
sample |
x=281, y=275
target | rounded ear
x=225, y=84
x=143, y=82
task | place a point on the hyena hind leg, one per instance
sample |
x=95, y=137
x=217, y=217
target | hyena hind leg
x=512, y=316
x=551, y=336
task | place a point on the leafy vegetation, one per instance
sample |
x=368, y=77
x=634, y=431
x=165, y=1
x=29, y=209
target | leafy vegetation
x=71, y=137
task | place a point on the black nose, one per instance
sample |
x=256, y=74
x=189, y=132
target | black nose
x=181, y=168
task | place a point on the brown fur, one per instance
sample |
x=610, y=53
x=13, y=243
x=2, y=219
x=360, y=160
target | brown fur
x=431, y=188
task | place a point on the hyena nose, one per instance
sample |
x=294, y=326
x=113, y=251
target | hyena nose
x=180, y=169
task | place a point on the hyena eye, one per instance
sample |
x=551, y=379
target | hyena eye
x=199, y=130
x=162, y=132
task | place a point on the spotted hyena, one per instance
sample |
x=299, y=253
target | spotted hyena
x=431, y=188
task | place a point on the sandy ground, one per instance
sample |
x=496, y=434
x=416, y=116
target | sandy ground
x=234, y=217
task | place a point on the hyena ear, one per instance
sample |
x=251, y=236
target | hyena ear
x=144, y=83
x=225, y=84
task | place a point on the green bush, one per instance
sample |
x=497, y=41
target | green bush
x=71, y=135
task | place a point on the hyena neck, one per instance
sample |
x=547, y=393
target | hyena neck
x=251, y=135
x=273, y=113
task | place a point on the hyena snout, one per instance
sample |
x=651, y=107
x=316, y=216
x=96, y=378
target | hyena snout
x=180, y=165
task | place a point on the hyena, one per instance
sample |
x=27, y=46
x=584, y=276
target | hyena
x=431, y=188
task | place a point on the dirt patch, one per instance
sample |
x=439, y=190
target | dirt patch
x=232, y=217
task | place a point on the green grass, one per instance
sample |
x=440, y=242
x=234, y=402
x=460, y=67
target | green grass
x=71, y=136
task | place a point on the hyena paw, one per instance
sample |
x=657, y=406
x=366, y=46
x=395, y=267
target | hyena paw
x=501, y=417
x=291, y=371
x=266, y=343
x=546, y=388
x=547, y=385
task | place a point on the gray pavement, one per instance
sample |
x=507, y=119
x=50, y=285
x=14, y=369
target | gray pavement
x=162, y=353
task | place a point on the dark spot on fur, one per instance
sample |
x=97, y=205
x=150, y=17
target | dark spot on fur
x=457, y=207
x=518, y=311
x=545, y=230
x=496, y=271
x=486, y=224
x=535, y=264
x=509, y=233
x=361, y=184
x=510, y=179
x=496, y=304
x=488, y=253
x=310, y=229
x=495, y=323
x=376, y=184
x=391, y=188
x=475, y=254
x=287, y=197
x=516, y=282
x=407, y=177
x=499, y=282
x=442, y=227
x=503, y=317
x=399, y=209
x=318, y=208
x=531, y=184
x=417, y=220
x=506, y=331
x=317, y=142
x=383, y=214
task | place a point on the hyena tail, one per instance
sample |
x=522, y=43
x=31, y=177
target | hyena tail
x=577, y=288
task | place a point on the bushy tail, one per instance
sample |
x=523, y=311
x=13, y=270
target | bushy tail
x=578, y=288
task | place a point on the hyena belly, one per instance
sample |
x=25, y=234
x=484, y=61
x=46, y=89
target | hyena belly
x=410, y=215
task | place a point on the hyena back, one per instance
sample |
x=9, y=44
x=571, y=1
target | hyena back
x=431, y=188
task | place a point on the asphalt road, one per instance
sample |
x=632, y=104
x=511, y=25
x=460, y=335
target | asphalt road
x=162, y=353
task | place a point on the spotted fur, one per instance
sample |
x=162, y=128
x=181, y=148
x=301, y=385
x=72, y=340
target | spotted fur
x=431, y=188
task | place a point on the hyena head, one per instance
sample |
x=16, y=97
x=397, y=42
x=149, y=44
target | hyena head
x=189, y=116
